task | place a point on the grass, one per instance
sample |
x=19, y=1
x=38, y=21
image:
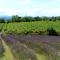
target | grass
x=40, y=54
x=41, y=57
x=26, y=54
x=37, y=50
x=7, y=54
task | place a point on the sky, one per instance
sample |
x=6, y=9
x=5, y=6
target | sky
x=30, y=7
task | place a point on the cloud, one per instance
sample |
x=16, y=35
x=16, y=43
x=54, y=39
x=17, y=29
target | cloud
x=13, y=2
x=24, y=1
x=14, y=7
x=30, y=12
x=58, y=0
x=21, y=1
x=34, y=12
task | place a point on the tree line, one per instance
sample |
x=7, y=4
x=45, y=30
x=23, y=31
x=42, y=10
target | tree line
x=17, y=18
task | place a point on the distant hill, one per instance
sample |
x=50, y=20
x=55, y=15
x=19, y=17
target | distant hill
x=5, y=17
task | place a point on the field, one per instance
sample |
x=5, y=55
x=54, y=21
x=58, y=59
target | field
x=30, y=27
x=30, y=47
x=16, y=44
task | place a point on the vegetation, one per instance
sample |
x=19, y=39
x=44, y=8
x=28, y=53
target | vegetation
x=51, y=31
x=36, y=27
x=21, y=51
x=17, y=18
x=7, y=53
x=29, y=49
x=28, y=25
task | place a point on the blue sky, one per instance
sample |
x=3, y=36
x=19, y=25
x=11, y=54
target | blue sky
x=30, y=7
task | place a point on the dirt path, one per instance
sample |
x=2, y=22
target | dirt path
x=7, y=54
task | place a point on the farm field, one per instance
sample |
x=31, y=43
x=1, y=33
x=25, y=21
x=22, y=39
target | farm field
x=30, y=47
x=38, y=27
x=16, y=44
x=29, y=29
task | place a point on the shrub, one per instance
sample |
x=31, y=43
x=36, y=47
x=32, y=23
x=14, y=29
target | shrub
x=51, y=31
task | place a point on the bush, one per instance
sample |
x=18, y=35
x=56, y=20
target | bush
x=51, y=31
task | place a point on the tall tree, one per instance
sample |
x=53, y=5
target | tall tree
x=16, y=18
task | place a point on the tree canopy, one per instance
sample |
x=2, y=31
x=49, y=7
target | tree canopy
x=17, y=18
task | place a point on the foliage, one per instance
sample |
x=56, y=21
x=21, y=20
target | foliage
x=51, y=31
x=16, y=18
x=2, y=20
x=35, y=27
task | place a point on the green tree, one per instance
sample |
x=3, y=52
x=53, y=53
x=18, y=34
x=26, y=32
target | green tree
x=15, y=18
x=2, y=20
x=37, y=18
